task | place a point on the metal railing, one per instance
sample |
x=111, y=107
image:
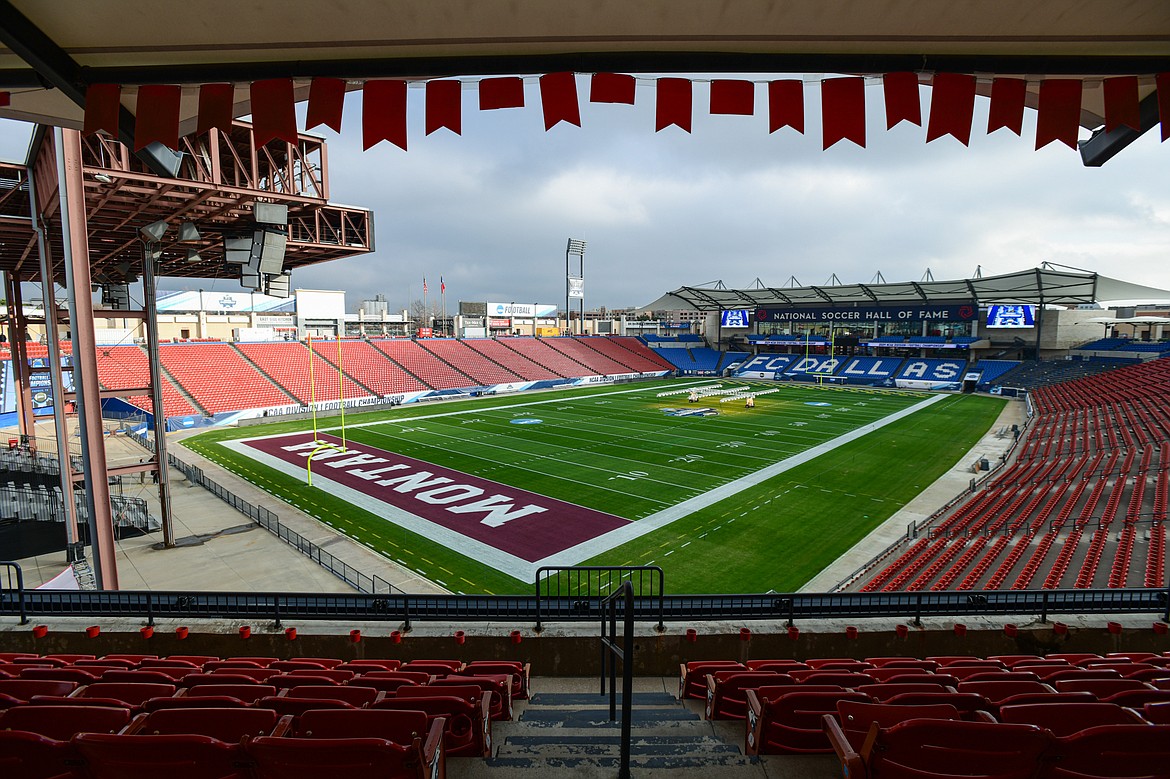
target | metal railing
x=787, y=607
x=579, y=586
x=610, y=654
x=12, y=591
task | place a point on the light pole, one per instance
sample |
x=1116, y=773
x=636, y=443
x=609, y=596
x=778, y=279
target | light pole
x=574, y=247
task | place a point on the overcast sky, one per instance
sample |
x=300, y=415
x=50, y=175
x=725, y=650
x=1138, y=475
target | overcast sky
x=490, y=211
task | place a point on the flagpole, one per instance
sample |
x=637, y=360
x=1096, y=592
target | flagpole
x=426, y=313
x=341, y=391
x=443, y=298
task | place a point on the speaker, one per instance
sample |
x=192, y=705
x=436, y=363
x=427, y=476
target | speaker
x=249, y=279
x=268, y=245
x=237, y=250
x=116, y=296
x=279, y=286
x=270, y=213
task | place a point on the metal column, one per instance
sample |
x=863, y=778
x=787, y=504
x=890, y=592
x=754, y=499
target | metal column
x=53, y=336
x=150, y=322
x=75, y=246
x=18, y=336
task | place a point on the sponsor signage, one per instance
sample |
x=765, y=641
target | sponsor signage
x=528, y=310
x=521, y=523
x=576, y=288
x=1011, y=316
x=958, y=312
x=499, y=324
x=202, y=300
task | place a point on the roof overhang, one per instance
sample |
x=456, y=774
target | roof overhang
x=1038, y=286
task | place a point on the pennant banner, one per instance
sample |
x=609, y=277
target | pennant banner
x=157, y=115
x=612, y=88
x=273, y=113
x=558, y=99
x=102, y=106
x=216, y=106
x=384, y=113
x=733, y=97
x=786, y=105
x=1058, y=115
x=673, y=104
x=444, y=106
x=902, y=99
x=952, y=107
x=326, y=102
x=1007, y=105
x=505, y=92
x=843, y=110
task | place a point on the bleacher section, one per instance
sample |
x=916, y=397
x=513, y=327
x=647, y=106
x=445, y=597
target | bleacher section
x=542, y=354
x=219, y=378
x=1126, y=345
x=515, y=362
x=870, y=371
x=679, y=358
x=932, y=373
x=1039, y=373
x=1083, y=505
x=633, y=362
x=991, y=370
x=732, y=358
x=813, y=367
x=287, y=363
x=475, y=365
x=369, y=366
x=596, y=362
x=706, y=360
x=639, y=348
x=430, y=369
x=125, y=367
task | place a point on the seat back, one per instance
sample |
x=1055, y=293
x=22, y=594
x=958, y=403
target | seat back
x=355, y=696
x=224, y=724
x=186, y=756
x=1064, y=719
x=286, y=681
x=465, y=727
x=1157, y=713
x=965, y=703
x=925, y=749
x=25, y=689
x=194, y=702
x=728, y=700
x=33, y=756
x=63, y=722
x=996, y=691
x=401, y=727
x=856, y=717
x=1115, y=751
x=136, y=675
x=338, y=676
x=362, y=666
x=692, y=681
x=886, y=672
x=79, y=675
x=248, y=692
x=297, y=706
x=1102, y=688
x=792, y=722
x=130, y=693
x=843, y=678
x=312, y=758
x=883, y=692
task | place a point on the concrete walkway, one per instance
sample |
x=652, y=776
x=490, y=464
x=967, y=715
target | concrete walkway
x=991, y=446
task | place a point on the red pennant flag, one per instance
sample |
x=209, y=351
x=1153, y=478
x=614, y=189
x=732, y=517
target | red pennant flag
x=102, y=107
x=5, y=99
x=1058, y=115
x=1162, y=84
x=507, y=92
x=952, y=107
x=612, y=88
x=384, y=113
x=1007, y=105
x=273, y=114
x=786, y=105
x=673, y=105
x=326, y=101
x=157, y=116
x=734, y=97
x=216, y=107
x=1122, y=106
x=444, y=106
x=902, y=100
x=843, y=110
x=558, y=98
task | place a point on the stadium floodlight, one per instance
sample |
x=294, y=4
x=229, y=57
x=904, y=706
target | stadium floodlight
x=574, y=285
x=188, y=232
x=154, y=231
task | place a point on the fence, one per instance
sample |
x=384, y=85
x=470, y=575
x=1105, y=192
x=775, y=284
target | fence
x=578, y=587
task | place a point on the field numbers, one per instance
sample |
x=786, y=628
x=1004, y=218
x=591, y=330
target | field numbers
x=686, y=458
x=798, y=424
x=470, y=421
x=413, y=430
x=731, y=444
x=769, y=432
x=631, y=476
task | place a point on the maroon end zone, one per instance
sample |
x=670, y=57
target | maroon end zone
x=520, y=523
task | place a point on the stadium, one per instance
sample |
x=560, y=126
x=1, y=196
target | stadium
x=908, y=528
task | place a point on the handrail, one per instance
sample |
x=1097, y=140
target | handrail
x=610, y=654
x=517, y=608
x=581, y=581
x=10, y=570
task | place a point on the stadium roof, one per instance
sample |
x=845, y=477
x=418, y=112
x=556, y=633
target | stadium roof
x=51, y=51
x=1043, y=285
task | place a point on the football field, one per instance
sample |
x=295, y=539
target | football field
x=478, y=495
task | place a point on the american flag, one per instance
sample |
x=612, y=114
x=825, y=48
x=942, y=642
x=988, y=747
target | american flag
x=424, y=285
x=442, y=286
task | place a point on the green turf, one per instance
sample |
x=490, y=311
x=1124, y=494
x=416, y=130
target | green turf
x=615, y=450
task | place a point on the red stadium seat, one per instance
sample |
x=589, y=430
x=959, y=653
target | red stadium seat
x=173, y=757
x=928, y=749
x=25, y=689
x=362, y=666
x=887, y=672
x=520, y=673
x=883, y=692
x=1101, y=688
x=692, y=677
x=148, y=676
x=1113, y=752
x=338, y=676
x=63, y=722
x=133, y=694
x=78, y=675
x=295, y=707
x=997, y=691
x=1157, y=713
x=33, y=756
x=791, y=723
x=855, y=719
x=781, y=666
x=228, y=725
x=249, y=693
x=1064, y=719
x=970, y=706
x=355, y=696
x=498, y=686
x=465, y=709
x=194, y=702
x=727, y=691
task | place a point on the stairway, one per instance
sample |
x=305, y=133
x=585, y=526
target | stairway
x=562, y=734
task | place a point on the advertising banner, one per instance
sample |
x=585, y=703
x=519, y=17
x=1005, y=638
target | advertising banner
x=521, y=309
x=576, y=288
x=958, y=312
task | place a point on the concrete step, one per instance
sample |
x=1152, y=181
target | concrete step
x=599, y=718
x=579, y=699
x=593, y=745
x=656, y=763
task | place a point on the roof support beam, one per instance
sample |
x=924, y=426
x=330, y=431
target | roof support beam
x=54, y=67
x=1103, y=146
